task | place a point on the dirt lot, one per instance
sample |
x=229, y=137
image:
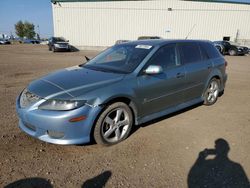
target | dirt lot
x=158, y=154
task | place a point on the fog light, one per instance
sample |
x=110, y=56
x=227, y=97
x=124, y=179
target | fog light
x=76, y=119
x=55, y=134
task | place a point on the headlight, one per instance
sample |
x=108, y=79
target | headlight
x=56, y=45
x=61, y=105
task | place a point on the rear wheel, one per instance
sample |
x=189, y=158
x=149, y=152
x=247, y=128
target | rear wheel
x=212, y=92
x=114, y=124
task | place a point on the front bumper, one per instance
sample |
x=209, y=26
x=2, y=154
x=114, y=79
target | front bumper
x=54, y=126
x=62, y=48
x=242, y=52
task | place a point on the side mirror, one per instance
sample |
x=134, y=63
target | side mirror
x=67, y=41
x=153, y=69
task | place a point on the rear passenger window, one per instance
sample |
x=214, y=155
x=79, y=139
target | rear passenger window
x=204, y=54
x=211, y=50
x=190, y=53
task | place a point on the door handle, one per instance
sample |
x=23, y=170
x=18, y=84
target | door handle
x=180, y=75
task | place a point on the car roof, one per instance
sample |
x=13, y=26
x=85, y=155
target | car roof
x=160, y=42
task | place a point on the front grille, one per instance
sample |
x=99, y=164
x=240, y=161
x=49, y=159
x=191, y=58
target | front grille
x=27, y=98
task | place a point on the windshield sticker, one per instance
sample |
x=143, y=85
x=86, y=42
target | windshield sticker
x=144, y=47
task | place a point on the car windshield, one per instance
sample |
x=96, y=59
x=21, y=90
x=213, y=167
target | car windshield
x=59, y=39
x=119, y=58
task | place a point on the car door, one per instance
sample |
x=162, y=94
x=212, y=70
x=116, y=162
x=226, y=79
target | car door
x=197, y=66
x=160, y=91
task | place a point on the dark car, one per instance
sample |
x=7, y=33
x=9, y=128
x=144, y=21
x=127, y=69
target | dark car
x=148, y=37
x=31, y=41
x=124, y=86
x=58, y=44
x=121, y=41
x=231, y=48
x=4, y=41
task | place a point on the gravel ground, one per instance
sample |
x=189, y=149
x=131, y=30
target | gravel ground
x=161, y=153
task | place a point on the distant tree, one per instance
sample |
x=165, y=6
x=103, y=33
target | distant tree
x=19, y=26
x=29, y=30
x=25, y=29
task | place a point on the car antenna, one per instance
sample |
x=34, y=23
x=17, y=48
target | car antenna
x=87, y=59
x=190, y=31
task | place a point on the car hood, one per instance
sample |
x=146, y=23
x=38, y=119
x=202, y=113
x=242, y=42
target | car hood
x=72, y=82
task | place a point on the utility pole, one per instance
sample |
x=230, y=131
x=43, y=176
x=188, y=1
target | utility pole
x=38, y=34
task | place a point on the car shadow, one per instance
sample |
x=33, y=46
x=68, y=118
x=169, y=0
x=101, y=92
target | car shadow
x=98, y=181
x=74, y=49
x=217, y=172
x=30, y=183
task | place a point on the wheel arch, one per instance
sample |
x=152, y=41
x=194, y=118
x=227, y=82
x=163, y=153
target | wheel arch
x=125, y=99
x=215, y=74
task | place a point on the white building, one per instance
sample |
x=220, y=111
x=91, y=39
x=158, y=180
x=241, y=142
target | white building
x=100, y=23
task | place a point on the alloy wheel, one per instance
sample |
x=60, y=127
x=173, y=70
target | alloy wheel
x=212, y=91
x=115, y=125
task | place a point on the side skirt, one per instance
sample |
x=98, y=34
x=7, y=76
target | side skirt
x=169, y=110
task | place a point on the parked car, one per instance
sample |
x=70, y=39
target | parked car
x=148, y=37
x=58, y=44
x=4, y=41
x=124, y=86
x=31, y=41
x=121, y=41
x=44, y=42
x=219, y=47
x=231, y=48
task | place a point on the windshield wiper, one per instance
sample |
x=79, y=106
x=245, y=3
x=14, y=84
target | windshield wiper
x=102, y=69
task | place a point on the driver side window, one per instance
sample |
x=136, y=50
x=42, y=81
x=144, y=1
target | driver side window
x=166, y=57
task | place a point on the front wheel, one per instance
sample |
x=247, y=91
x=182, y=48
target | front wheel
x=212, y=92
x=232, y=52
x=53, y=49
x=114, y=124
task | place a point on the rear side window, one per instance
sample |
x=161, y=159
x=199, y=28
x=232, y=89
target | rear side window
x=204, y=54
x=211, y=50
x=190, y=53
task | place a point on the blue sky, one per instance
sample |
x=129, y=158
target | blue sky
x=39, y=12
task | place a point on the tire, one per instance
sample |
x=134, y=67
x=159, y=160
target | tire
x=232, y=52
x=53, y=49
x=212, y=92
x=109, y=129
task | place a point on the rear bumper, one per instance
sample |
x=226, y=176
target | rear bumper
x=224, y=82
x=54, y=126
